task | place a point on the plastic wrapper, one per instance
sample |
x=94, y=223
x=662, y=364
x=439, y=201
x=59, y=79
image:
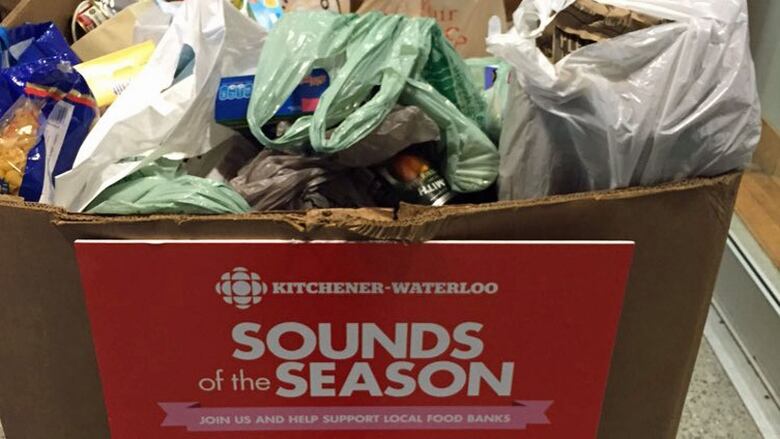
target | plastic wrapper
x=372, y=59
x=47, y=111
x=29, y=43
x=168, y=109
x=665, y=103
x=19, y=133
x=164, y=188
x=280, y=181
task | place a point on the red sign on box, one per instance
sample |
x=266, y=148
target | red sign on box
x=353, y=340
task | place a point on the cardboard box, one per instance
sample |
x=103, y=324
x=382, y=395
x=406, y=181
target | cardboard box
x=463, y=23
x=50, y=388
x=33, y=11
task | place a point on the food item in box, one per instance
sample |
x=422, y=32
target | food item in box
x=109, y=75
x=168, y=110
x=265, y=12
x=19, y=133
x=48, y=114
x=235, y=93
x=415, y=180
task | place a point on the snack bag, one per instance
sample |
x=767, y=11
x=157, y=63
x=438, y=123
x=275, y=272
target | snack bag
x=30, y=42
x=19, y=133
x=42, y=131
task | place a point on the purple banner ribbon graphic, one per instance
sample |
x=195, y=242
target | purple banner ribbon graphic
x=195, y=418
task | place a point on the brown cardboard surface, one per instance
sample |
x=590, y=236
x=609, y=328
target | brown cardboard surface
x=50, y=387
x=59, y=11
x=463, y=22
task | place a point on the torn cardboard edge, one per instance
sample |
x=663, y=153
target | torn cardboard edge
x=407, y=216
x=587, y=22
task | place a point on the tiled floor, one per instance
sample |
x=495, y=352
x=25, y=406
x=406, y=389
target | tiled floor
x=713, y=409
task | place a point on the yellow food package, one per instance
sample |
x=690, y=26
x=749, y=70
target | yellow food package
x=19, y=132
x=109, y=75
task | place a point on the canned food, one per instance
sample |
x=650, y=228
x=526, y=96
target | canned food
x=416, y=181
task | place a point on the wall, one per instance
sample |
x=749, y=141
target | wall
x=765, y=36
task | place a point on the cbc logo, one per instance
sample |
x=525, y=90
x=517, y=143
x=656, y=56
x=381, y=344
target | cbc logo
x=241, y=288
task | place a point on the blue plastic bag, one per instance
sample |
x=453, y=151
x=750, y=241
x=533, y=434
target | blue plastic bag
x=38, y=77
x=31, y=42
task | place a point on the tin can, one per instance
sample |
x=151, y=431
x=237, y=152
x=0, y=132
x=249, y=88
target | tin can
x=416, y=181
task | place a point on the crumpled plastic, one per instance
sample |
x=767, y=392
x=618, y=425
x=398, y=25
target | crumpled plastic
x=280, y=181
x=168, y=109
x=29, y=43
x=374, y=61
x=37, y=70
x=404, y=127
x=495, y=94
x=164, y=188
x=669, y=102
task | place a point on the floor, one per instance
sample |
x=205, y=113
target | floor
x=713, y=409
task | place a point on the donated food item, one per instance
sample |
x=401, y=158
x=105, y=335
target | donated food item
x=665, y=103
x=19, y=133
x=168, y=110
x=265, y=12
x=378, y=62
x=164, y=188
x=88, y=16
x=416, y=181
x=108, y=76
x=37, y=81
x=235, y=93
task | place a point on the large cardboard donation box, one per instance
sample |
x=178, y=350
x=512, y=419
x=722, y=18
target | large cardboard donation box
x=602, y=321
x=51, y=387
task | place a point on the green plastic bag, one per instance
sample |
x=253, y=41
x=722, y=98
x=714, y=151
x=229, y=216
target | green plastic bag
x=496, y=95
x=372, y=60
x=164, y=188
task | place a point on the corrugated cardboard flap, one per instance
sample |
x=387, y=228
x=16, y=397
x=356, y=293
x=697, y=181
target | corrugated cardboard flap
x=409, y=223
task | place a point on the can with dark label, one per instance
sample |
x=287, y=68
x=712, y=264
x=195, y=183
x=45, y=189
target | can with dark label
x=416, y=181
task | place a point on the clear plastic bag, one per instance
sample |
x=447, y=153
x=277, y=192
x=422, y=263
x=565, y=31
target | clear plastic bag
x=669, y=102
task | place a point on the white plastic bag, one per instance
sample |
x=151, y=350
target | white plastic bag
x=162, y=113
x=665, y=103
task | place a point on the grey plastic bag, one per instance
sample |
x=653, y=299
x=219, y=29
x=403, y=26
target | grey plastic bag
x=404, y=127
x=280, y=181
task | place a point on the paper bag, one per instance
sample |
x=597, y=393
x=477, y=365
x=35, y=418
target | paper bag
x=122, y=31
x=464, y=22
